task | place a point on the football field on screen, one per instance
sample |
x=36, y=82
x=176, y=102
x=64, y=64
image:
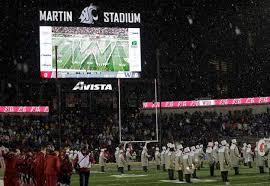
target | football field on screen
x=91, y=53
x=136, y=177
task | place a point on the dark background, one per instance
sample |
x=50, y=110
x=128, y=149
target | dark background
x=208, y=49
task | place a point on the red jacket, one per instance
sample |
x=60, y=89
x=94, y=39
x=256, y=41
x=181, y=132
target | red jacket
x=11, y=161
x=52, y=165
x=66, y=166
x=39, y=163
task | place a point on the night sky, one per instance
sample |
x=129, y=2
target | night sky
x=208, y=49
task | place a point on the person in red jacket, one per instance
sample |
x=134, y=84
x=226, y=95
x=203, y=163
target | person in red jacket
x=11, y=177
x=52, y=167
x=39, y=166
x=65, y=169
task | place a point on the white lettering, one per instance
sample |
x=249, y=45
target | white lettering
x=102, y=87
x=116, y=19
x=111, y=13
x=130, y=18
x=69, y=16
x=122, y=17
x=49, y=16
x=60, y=15
x=106, y=18
x=86, y=87
x=108, y=87
x=81, y=86
x=42, y=15
x=137, y=18
x=54, y=15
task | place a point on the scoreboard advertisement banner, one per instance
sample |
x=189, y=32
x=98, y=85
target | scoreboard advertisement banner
x=90, y=43
x=205, y=103
x=24, y=109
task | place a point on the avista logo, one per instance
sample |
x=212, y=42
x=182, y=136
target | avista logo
x=82, y=86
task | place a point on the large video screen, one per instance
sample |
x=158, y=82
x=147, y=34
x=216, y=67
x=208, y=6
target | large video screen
x=90, y=52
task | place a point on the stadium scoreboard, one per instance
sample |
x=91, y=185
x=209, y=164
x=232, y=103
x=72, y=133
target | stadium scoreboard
x=89, y=44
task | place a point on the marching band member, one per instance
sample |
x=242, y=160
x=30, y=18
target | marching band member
x=210, y=158
x=235, y=157
x=166, y=156
x=134, y=155
x=215, y=154
x=102, y=160
x=224, y=161
x=11, y=177
x=128, y=159
x=121, y=161
x=187, y=165
x=179, y=162
x=201, y=155
x=144, y=158
x=163, y=158
x=249, y=156
x=116, y=156
x=64, y=176
x=52, y=166
x=195, y=160
x=157, y=158
x=39, y=163
x=267, y=154
x=2, y=161
x=244, y=152
x=171, y=158
x=259, y=160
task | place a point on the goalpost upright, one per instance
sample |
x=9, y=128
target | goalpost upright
x=120, y=120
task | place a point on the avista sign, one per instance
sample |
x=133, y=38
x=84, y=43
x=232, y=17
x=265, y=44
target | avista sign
x=82, y=86
x=90, y=15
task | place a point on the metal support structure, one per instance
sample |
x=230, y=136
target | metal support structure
x=58, y=85
x=119, y=111
x=156, y=110
x=159, y=96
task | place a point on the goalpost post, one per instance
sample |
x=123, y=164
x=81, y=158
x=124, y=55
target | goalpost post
x=120, y=121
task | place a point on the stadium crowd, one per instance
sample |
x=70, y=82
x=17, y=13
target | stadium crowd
x=91, y=31
x=79, y=130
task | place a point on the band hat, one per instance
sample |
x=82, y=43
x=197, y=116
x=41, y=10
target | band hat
x=179, y=147
x=186, y=150
x=210, y=144
x=223, y=142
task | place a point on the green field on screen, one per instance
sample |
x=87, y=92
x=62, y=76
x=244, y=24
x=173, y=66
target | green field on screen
x=91, y=53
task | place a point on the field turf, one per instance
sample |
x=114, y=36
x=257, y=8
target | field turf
x=247, y=177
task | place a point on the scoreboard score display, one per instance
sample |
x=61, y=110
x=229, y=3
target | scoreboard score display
x=89, y=49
